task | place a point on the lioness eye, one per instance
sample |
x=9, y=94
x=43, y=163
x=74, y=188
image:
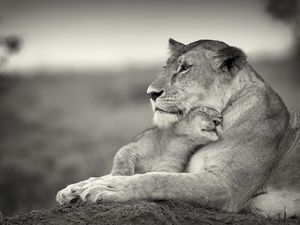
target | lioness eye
x=184, y=68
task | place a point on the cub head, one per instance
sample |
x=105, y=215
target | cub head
x=200, y=124
x=200, y=73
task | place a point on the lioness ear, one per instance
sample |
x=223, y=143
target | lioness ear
x=230, y=59
x=174, y=45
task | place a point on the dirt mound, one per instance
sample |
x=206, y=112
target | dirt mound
x=141, y=212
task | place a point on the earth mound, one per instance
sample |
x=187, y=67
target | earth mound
x=140, y=212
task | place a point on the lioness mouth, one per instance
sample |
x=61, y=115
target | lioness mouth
x=178, y=112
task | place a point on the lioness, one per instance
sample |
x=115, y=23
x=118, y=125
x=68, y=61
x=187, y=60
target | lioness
x=255, y=166
x=168, y=149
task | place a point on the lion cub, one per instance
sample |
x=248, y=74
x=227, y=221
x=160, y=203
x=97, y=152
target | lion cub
x=168, y=149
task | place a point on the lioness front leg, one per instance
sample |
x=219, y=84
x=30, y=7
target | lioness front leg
x=204, y=188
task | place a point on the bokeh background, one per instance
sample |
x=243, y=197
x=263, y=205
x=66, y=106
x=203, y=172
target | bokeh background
x=73, y=78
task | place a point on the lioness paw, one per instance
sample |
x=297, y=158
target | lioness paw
x=68, y=194
x=108, y=189
x=92, y=194
x=72, y=191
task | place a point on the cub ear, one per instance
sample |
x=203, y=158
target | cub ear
x=229, y=59
x=174, y=45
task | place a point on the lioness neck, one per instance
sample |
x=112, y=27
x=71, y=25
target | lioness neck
x=253, y=96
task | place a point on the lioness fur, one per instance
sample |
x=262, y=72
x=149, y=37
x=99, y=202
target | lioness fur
x=255, y=166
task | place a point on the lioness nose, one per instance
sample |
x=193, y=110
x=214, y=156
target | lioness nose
x=155, y=94
x=217, y=121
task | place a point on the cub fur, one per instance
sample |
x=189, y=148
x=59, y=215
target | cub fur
x=168, y=150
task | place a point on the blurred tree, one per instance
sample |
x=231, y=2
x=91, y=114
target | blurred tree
x=11, y=45
x=288, y=11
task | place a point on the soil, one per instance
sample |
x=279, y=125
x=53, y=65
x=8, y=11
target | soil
x=141, y=212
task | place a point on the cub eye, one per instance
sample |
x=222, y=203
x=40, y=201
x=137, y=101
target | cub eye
x=184, y=68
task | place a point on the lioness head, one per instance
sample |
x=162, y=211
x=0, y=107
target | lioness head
x=198, y=73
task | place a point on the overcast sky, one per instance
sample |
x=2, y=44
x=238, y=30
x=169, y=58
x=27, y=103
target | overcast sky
x=114, y=33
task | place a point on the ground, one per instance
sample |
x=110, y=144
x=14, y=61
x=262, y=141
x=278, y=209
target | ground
x=142, y=212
